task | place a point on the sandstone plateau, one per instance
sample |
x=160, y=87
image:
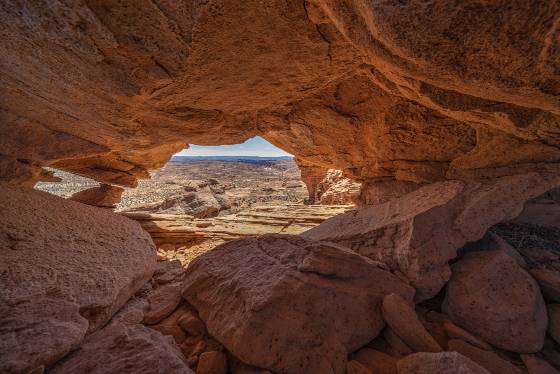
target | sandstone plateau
x=440, y=120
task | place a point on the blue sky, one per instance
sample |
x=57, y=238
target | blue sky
x=256, y=146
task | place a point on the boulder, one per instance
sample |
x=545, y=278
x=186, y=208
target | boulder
x=104, y=196
x=120, y=349
x=421, y=231
x=290, y=304
x=402, y=319
x=491, y=296
x=537, y=365
x=487, y=359
x=66, y=269
x=554, y=321
x=549, y=282
x=438, y=363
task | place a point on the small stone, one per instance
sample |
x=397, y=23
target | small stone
x=212, y=362
x=549, y=282
x=192, y=325
x=438, y=363
x=162, y=302
x=354, y=367
x=375, y=361
x=402, y=319
x=536, y=365
x=456, y=332
x=397, y=346
x=554, y=321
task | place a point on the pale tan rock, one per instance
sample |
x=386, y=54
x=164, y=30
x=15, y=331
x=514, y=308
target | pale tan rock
x=105, y=196
x=438, y=363
x=420, y=232
x=274, y=295
x=536, y=365
x=487, y=359
x=212, y=362
x=456, y=332
x=492, y=297
x=162, y=302
x=553, y=329
x=375, y=361
x=402, y=319
x=549, y=282
x=68, y=268
x=355, y=367
x=124, y=349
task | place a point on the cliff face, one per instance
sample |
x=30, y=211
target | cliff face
x=408, y=92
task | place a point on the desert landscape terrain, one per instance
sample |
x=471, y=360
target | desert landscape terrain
x=415, y=231
x=233, y=197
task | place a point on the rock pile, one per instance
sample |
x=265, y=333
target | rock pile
x=278, y=303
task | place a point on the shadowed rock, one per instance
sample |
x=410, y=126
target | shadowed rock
x=290, y=304
x=67, y=268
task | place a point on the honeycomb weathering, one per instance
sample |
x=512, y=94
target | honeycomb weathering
x=412, y=91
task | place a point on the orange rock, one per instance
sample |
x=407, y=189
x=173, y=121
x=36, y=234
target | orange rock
x=271, y=296
x=438, y=363
x=212, y=362
x=456, y=332
x=354, y=367
x=376, y=362
x=402, y=319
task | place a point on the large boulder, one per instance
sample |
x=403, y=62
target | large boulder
x=490, y=295
x=420, y=232
x=290, y=304
x=120, y=349
x=65, y=268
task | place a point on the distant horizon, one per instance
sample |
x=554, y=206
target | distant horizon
x=253, y=147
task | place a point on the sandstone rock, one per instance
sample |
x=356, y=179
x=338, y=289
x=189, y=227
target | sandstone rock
x=375, y=361
x=491, y=296
x=536, y=365
x=168, y=271
x=487, y=359
x=264, y=305
x=554, y=321
x=334, y=189
x=397, y=346
x=105, y=196
x=354, y=367
x=456, y=332
x=212, y=362
x=170, y=325
x=420, y=232
x=162, y=302
x=443, y=107
x=67, y=268
x=402, y=319
x=549, y=282
x=124, y=349
x=433, y=322
x=438, y=363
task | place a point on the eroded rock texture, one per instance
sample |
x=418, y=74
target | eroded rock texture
x=419, y=233
x=66, y=269
x=289, y=304
x=387, y=92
